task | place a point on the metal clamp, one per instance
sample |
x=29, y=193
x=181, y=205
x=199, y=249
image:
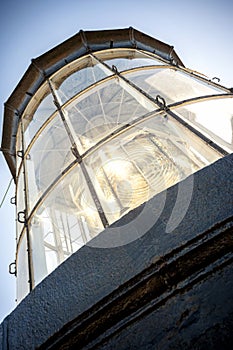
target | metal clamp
x=76, y=153
x=12, y=268
x=20, y=215
x=114, y=69
x=161, y=102
x=215, y=78
x=13, y=200
x=20, y=154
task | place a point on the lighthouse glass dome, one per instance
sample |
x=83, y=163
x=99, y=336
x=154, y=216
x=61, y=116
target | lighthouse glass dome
x=104, y=131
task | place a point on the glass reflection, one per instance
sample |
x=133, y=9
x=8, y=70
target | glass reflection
x=77, y=76
x=100, y=112
x=49, y=155
x=32, y=122
x=22, y=269
x=125, y=59
x=214, y=118
x=171, y=84
x=63, y=223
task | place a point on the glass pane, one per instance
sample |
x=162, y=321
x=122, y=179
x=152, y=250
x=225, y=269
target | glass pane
x=77, y=76
x=171, y=84
x=125, y=59
x=38, y=111
x=20, y=201
x=145, y=160
x=214, y=118
x=103, y=110
x=67, y=219
x=48, y=157
x=22, y=269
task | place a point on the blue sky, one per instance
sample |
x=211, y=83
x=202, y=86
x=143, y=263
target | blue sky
x=200, y=30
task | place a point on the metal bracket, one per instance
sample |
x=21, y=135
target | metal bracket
x=13, y=200
x=20, y=215
x=215, y=78
x=161, y=102
x=12, y=269
x=76, y=153
x=20, y=154
x=114, y=69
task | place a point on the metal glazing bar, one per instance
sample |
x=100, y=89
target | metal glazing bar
x=95, y=198
x=199, y=99
x=79, y=159
x=29, y=248
x=58, y=106
x=151, y=66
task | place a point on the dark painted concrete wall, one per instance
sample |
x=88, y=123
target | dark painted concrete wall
x=200, y=318
x=117, y=256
